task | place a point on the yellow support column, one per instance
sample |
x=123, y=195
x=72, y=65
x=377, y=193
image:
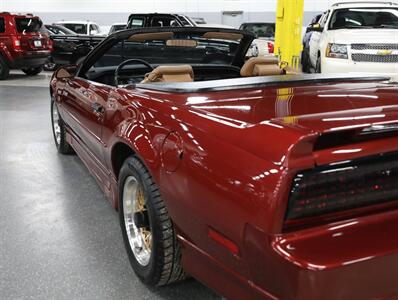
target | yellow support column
x=289, y=24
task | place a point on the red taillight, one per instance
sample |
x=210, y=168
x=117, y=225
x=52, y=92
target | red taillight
x=270, y=47
x=50, y=44
x=16, y=43
x=338, y=188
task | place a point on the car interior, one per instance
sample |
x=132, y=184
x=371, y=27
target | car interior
x=210, y=58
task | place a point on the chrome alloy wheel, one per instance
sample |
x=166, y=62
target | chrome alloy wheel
x=136, y=220
x=56, y=127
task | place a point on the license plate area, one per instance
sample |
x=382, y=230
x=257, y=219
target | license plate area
x=37, y=43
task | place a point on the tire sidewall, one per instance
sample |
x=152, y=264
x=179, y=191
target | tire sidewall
x=52, y=124
x=318, y=68
x=148, y=274
x=4, y=69
x=33, y=71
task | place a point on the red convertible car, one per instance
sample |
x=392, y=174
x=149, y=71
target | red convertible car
x=261, y=187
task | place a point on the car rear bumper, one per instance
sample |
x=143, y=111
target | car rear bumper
x=335, y=65
x=356, y=259
x=28, y=59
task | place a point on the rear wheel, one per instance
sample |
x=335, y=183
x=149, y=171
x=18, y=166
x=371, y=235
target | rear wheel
x=147, y=229
x=50, y=66
x=305, y=62
x=4, y=69
x=59, y=131
x=33, y=71
x=318, y=68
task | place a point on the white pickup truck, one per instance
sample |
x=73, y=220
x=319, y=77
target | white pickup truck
x=360, y=36
x=82, y=27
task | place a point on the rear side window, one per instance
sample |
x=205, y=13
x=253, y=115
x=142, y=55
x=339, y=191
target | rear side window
x=28, y=24
x=2, y=25
x=164, y=22
x=136, y=22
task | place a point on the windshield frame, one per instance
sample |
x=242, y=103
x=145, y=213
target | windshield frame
x=113, y=39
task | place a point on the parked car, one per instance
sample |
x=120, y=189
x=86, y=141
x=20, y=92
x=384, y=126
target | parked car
x=72, y=49
x=270, y=187
x=23, y=44
x=157, y=20
x=356, y=37
x=117, y=27
x=265, y=38
x=305, y=54
x=54, y=30
x=82, y=27
x=199, y=21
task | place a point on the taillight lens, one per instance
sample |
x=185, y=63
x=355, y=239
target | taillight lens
x=270, y=47
x=343, y=186
x=50, y=44
x=16, y=43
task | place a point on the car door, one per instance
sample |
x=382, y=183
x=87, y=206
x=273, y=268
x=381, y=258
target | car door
x=85, y=102
x=315, y=40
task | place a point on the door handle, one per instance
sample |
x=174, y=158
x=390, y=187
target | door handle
x=98, y=109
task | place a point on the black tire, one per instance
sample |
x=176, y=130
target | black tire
x=305, y=62
x=4, y=69
x=50, y=66
x=62, y=145
x=33, y=71
x=318, y=68
x=164, y=265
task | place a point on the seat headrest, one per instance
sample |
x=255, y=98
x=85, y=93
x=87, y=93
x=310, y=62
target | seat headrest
x=183, y=73
x=267, y=63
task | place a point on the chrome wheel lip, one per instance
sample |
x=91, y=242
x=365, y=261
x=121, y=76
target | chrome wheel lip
x=56, y=125
x=50, y=66
x=140, y=240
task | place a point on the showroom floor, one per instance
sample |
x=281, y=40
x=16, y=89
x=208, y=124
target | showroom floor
x=59, y=236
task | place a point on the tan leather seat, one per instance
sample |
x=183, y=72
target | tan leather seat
x=261, y=66
x=182, y=73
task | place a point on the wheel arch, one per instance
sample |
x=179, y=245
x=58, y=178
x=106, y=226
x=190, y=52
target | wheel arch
x=119, y=153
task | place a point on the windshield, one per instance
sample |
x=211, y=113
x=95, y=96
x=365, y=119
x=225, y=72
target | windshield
x=364, y=18
x=28, y=24
x=173, y=48
x=115, y=28
x=260, y=29
x=59, y=30
x=78, y=28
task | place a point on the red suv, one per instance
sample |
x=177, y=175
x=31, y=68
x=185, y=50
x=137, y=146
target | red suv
x=23, y=44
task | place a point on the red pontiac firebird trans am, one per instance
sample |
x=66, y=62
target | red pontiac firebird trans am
x=259, y=184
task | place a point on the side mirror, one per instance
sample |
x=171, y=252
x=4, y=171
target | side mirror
x=315, y=28
x=66, y=72
x=93, y=32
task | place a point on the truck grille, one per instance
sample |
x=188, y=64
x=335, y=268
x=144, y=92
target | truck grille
x=374, y=46
x=362, y=57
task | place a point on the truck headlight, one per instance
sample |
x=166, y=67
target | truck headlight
x=337, y=51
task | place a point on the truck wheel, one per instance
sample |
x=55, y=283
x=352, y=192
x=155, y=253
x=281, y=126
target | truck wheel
x=59, y=131
x=50, y=66
x=32, y=71
x=148, y=232
x=4, y=69
x=318, y=68
x=305, y=62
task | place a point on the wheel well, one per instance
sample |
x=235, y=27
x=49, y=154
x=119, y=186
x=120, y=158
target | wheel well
x=120, y=153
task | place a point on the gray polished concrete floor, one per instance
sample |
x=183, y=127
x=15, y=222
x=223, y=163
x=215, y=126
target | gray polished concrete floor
x=59, y=236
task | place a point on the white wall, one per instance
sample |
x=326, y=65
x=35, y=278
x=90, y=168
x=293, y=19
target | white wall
x=110, y=6
x=106, y=12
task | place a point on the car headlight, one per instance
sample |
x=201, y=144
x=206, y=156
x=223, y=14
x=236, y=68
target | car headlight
x=337, y=51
